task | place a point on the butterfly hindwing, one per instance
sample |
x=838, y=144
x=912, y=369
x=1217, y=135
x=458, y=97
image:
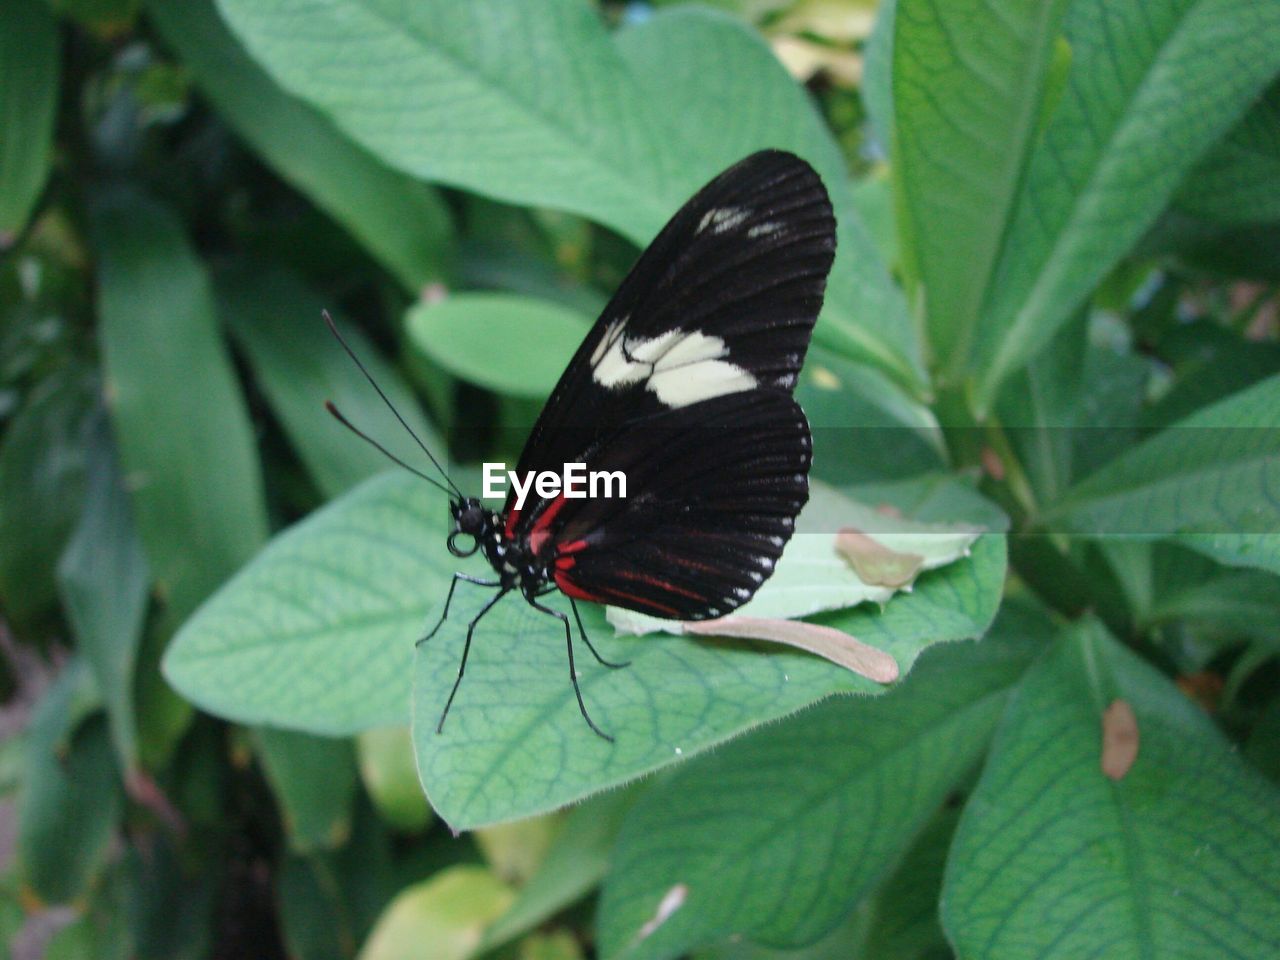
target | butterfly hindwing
x=722, y=302
x=707, y=512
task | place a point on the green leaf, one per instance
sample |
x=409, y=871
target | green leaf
x=177, y=411
x=934, y=497
x=1261, y=550
x=447, y=912
x=828, y=800
x=401, y=221
x=105, y=583
x=70, y=802
x=316, y=634
x=515, y=850
x=1040, y=409
x=539, y=105
x=711, y=65
x=171, y=906
x=109, y=17
x=575, y=863
x=28, y=102
x=314, y=780
x=390, y=778
x=537, y=338
x=1114, y=152
x=328, y=901
x=1236, y=181
x=968, y=83
x=42, y=479
x=275, y=320
x=515, y=744
x=853, y=409
x=1214, y=472
x=1236, y=603
x=1053, y=858
x=877, y=75
x=840, y=944
x=904, y=921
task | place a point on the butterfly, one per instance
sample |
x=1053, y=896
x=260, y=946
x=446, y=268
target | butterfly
x=684, y=385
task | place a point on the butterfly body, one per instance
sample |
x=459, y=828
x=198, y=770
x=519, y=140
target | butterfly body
x=684, y=387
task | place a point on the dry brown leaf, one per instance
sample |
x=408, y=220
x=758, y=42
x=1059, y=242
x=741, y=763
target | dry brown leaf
x=827, y=642
x=875, y=563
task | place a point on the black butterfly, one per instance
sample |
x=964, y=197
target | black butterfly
x=684, y=384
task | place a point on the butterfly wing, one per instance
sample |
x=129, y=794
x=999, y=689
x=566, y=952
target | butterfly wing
x=722, y=302
x=710, y=506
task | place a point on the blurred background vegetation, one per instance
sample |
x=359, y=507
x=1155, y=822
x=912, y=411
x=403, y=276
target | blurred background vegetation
x=172, y=222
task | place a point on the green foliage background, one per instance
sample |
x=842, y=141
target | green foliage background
x=1053, y=313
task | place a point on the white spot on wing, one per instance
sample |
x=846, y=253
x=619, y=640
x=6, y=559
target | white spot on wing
x=767, y=229
x=679, y=367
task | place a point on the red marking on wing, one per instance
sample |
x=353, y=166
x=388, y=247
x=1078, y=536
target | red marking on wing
x=693, y=564
x=571, y=589
x=539, y=534
x=660, y=584
x=509, y=528
x=573, y=546
x=643, y=601
x=566, y=563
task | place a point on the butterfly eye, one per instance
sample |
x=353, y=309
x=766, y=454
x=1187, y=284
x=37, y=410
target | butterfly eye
x=458, y=551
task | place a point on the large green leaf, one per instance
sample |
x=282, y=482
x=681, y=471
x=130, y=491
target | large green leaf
x=28, y=100
x=314, y=780
x=1239, y=180
x=968, y=83
x=1212, y=473
x=822, y=804
x=1260, y=550
x=576, y=862
x=275, y=319
x=516, y=745
x=401, y=221
x=179, y=418
x=105, y=584
x=385, y=756
x=447, y=913
x=317, y=633
x=537, y=338
x=538, y=104
x=904, y=922
x=1178, y=857
x=1149, y=91
x=712, y=66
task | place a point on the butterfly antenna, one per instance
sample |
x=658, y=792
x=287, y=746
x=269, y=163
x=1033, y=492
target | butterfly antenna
x=337, y=415
x=333, y=328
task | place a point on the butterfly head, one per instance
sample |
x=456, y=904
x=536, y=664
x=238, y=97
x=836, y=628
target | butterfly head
x=470, y=519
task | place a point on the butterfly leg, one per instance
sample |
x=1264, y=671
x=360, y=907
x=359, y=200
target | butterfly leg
x=573, y=673
x=449, y=599
x=466, y=648
x=590, y=646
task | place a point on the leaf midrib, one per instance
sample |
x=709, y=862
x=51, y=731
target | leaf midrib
x=1029, y=314
x=829, y=792
x=604, y=164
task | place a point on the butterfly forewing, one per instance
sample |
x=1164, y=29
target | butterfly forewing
x=684, y=383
